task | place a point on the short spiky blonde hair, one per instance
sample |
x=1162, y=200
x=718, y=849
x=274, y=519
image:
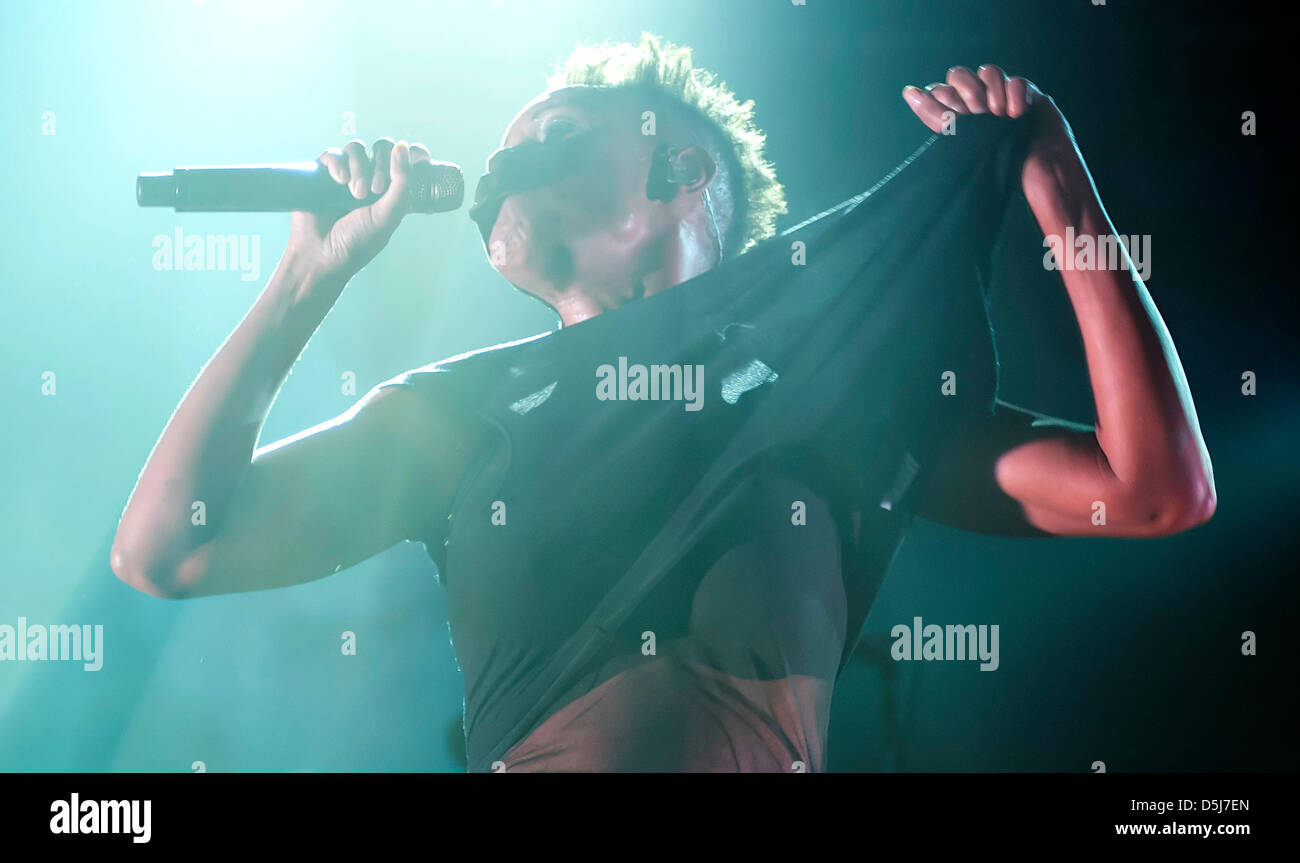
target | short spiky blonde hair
x=756, y=196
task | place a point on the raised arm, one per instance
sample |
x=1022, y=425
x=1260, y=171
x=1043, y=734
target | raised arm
x=211, y=515
x=1144, y=460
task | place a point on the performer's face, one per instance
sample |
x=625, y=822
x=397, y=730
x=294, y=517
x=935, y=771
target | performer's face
x=588, y=240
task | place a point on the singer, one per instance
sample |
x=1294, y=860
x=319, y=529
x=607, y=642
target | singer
x=637, y=183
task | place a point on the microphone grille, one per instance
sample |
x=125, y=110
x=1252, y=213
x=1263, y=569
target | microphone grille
x=439, y=187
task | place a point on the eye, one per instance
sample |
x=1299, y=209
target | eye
x=557, y=126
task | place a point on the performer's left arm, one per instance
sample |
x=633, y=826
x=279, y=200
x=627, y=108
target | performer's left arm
x=1144, y=460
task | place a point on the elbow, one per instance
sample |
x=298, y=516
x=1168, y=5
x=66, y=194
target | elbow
x=1196, y=499
x=1182, y=507
x=130, y=569
x=1201, y=508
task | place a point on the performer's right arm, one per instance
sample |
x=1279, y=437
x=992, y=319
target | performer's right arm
x=209, y=513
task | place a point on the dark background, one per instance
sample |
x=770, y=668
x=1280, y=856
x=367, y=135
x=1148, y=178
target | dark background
x=1126, y=652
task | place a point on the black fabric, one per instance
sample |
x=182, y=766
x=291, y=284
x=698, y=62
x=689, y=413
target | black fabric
x=830, y=371
x=529, y=165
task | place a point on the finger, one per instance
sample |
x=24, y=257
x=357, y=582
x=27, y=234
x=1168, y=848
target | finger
x=1017, y=96
x=358, y=168
x=970, y=88
x=334, y=162
x=929, y=109
x=393, y=205
x=420, y=154
x=948, y=96
x=995, y=88
x=381, y=154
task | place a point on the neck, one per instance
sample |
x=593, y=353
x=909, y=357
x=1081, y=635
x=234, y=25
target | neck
x=690, y=250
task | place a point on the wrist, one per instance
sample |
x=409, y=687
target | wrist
x=301, y=278
x=1055, y=180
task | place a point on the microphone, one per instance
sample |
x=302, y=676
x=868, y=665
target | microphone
x=435, y=187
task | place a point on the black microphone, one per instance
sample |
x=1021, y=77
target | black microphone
x=436, y=187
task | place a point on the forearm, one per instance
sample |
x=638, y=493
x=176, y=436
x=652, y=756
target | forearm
x=207, y=445
x=1146, y=426
x=1145, y=461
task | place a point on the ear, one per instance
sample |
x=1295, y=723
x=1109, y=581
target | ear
x=692, y=169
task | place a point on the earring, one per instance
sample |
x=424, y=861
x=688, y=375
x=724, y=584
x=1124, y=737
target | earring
x=665, y=175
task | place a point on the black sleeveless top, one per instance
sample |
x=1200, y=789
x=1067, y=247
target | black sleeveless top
x=777, y=586
x=763, y=518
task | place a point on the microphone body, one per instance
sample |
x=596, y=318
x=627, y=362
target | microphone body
x=436, y=187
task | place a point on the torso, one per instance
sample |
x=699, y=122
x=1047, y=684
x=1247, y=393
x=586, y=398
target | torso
x=728, y=665
x=747, y=637
x=730, y=661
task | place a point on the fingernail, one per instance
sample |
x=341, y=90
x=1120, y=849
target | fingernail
x=912, y=94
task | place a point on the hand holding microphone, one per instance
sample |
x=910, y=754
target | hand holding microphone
x=332, y=245
x=345, y=206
